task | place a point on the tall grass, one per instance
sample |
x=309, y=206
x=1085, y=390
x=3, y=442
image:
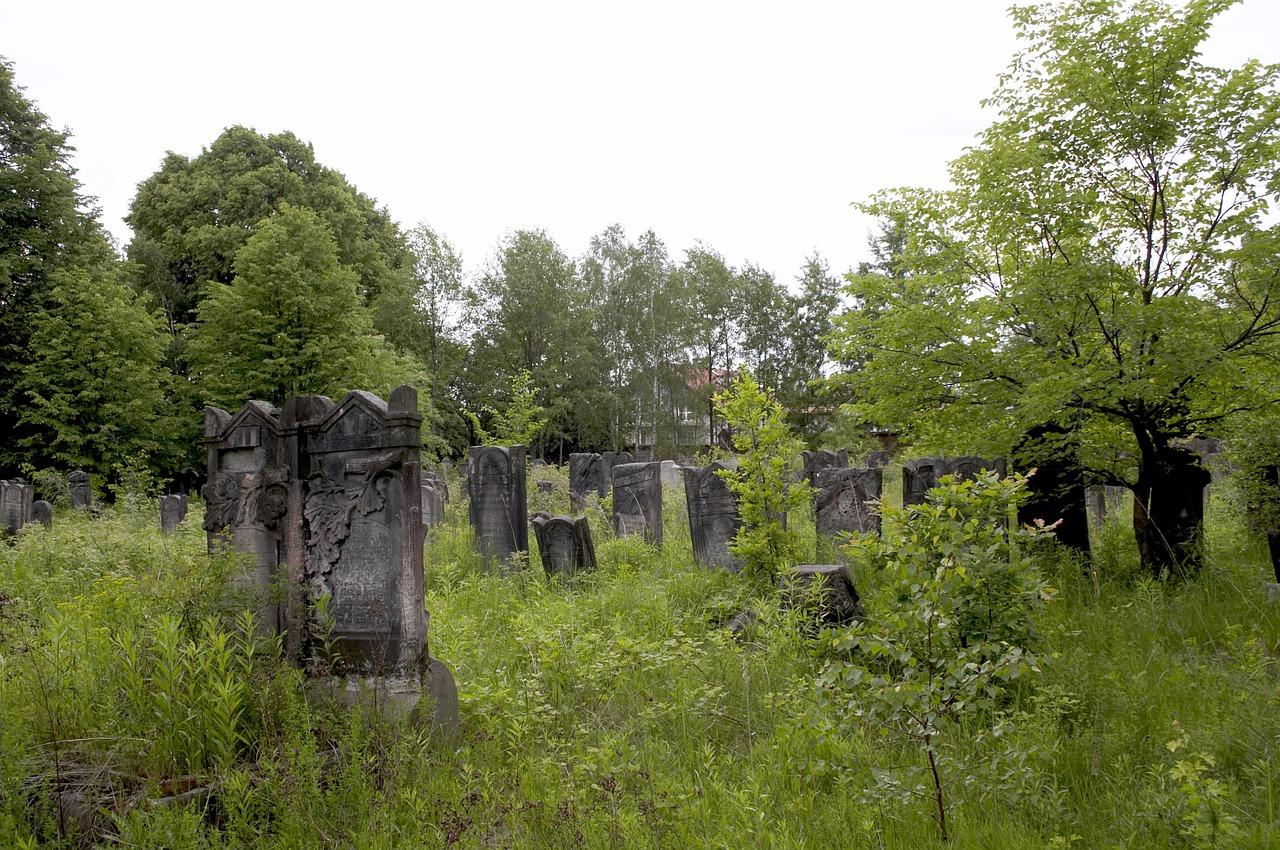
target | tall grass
x=614, y=709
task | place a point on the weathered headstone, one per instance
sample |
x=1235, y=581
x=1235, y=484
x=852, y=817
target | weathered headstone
x=969, y=466
x=637, y=501
x=878, y=460
x=825, y=591
x=670, y=474
x=608, y=460
x=840, y=503
x=918, y=479
x=713, y=516
x=546, y=488
x=173, y=510
x=16, y=497
x=81, y=491
x=815, y=462
x=499, y=504
x=433, y=498
x=247, y=496
x=564, y=544
x=586, y=476
x=42, y=512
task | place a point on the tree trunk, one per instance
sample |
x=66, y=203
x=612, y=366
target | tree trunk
x=1168, y=510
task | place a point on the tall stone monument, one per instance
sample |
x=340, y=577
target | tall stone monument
x=713, y=516
x=637, y=501
x=499, y=503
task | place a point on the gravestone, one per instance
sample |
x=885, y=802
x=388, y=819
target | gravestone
x=173, y=510
x=878, y=460
x=81, y=491
x=670, y=474
x=608, y=460
x=969, y=466
x=840, y=503
x=16, y=497
x=246, y=498
x=713, y=516
x=815, y=462
x=435, y=493
x=586, y=476
x=918, y=479
x=499, y=504
x=564, y=544
x=825, y=591
x=637, y=501
x=42, y=512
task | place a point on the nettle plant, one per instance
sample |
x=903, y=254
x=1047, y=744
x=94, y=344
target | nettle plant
x=956, y=626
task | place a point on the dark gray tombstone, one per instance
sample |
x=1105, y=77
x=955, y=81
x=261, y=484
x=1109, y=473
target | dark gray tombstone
x=918, y=479
x=969, y=466
x=499, y=504
x=564, y=544
x=436, y=480
x=825, y=591
x=586, y=476
x=815, y=462
x=42, y=512
x=840, y=503
x=713, y=516
x=546, y=488
x=173, y=510
x=637, y=501
x=81, y=491
x=878, y=460
x=16, y=498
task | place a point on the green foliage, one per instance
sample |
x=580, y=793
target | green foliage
x=93, y=393
x=958, y=625
x=764, y=480
x=518, y=422
x=1104, y=252
x=290, y=323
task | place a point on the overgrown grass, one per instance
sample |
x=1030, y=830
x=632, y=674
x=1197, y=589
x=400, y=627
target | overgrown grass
x=609, y=710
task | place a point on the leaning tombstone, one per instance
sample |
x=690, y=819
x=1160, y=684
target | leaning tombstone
x=564, y=544
x=815, y=462
x=824, y=591
x=637, y=501
x=42, y=512
x=841, y=503
x=81, y=491
x=173, y=510
x=713, y=516
x=16, y=498
x=586, y=476
x=499, y=505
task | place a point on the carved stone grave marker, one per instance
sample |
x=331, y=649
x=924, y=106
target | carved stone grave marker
x=815, y=462
x=16, y=497
x=825, y=590
x=713, y=516
x=499, y=504
x=173, y=510
x=564, y=544
x=586, y=476
x=81, y=491
x=637, y=501
x=42, y=512
x=840, y=504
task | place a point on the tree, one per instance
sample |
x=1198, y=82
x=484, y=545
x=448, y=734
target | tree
x=766, y=311
x=711, y=286
x=46, y=227
x=439, y=300
x=291, y=321
x=191, y=218
x=811, y=321
x=1102, y=260
x=93, y=393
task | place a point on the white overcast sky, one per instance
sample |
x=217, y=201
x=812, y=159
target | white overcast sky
x=750, y=127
